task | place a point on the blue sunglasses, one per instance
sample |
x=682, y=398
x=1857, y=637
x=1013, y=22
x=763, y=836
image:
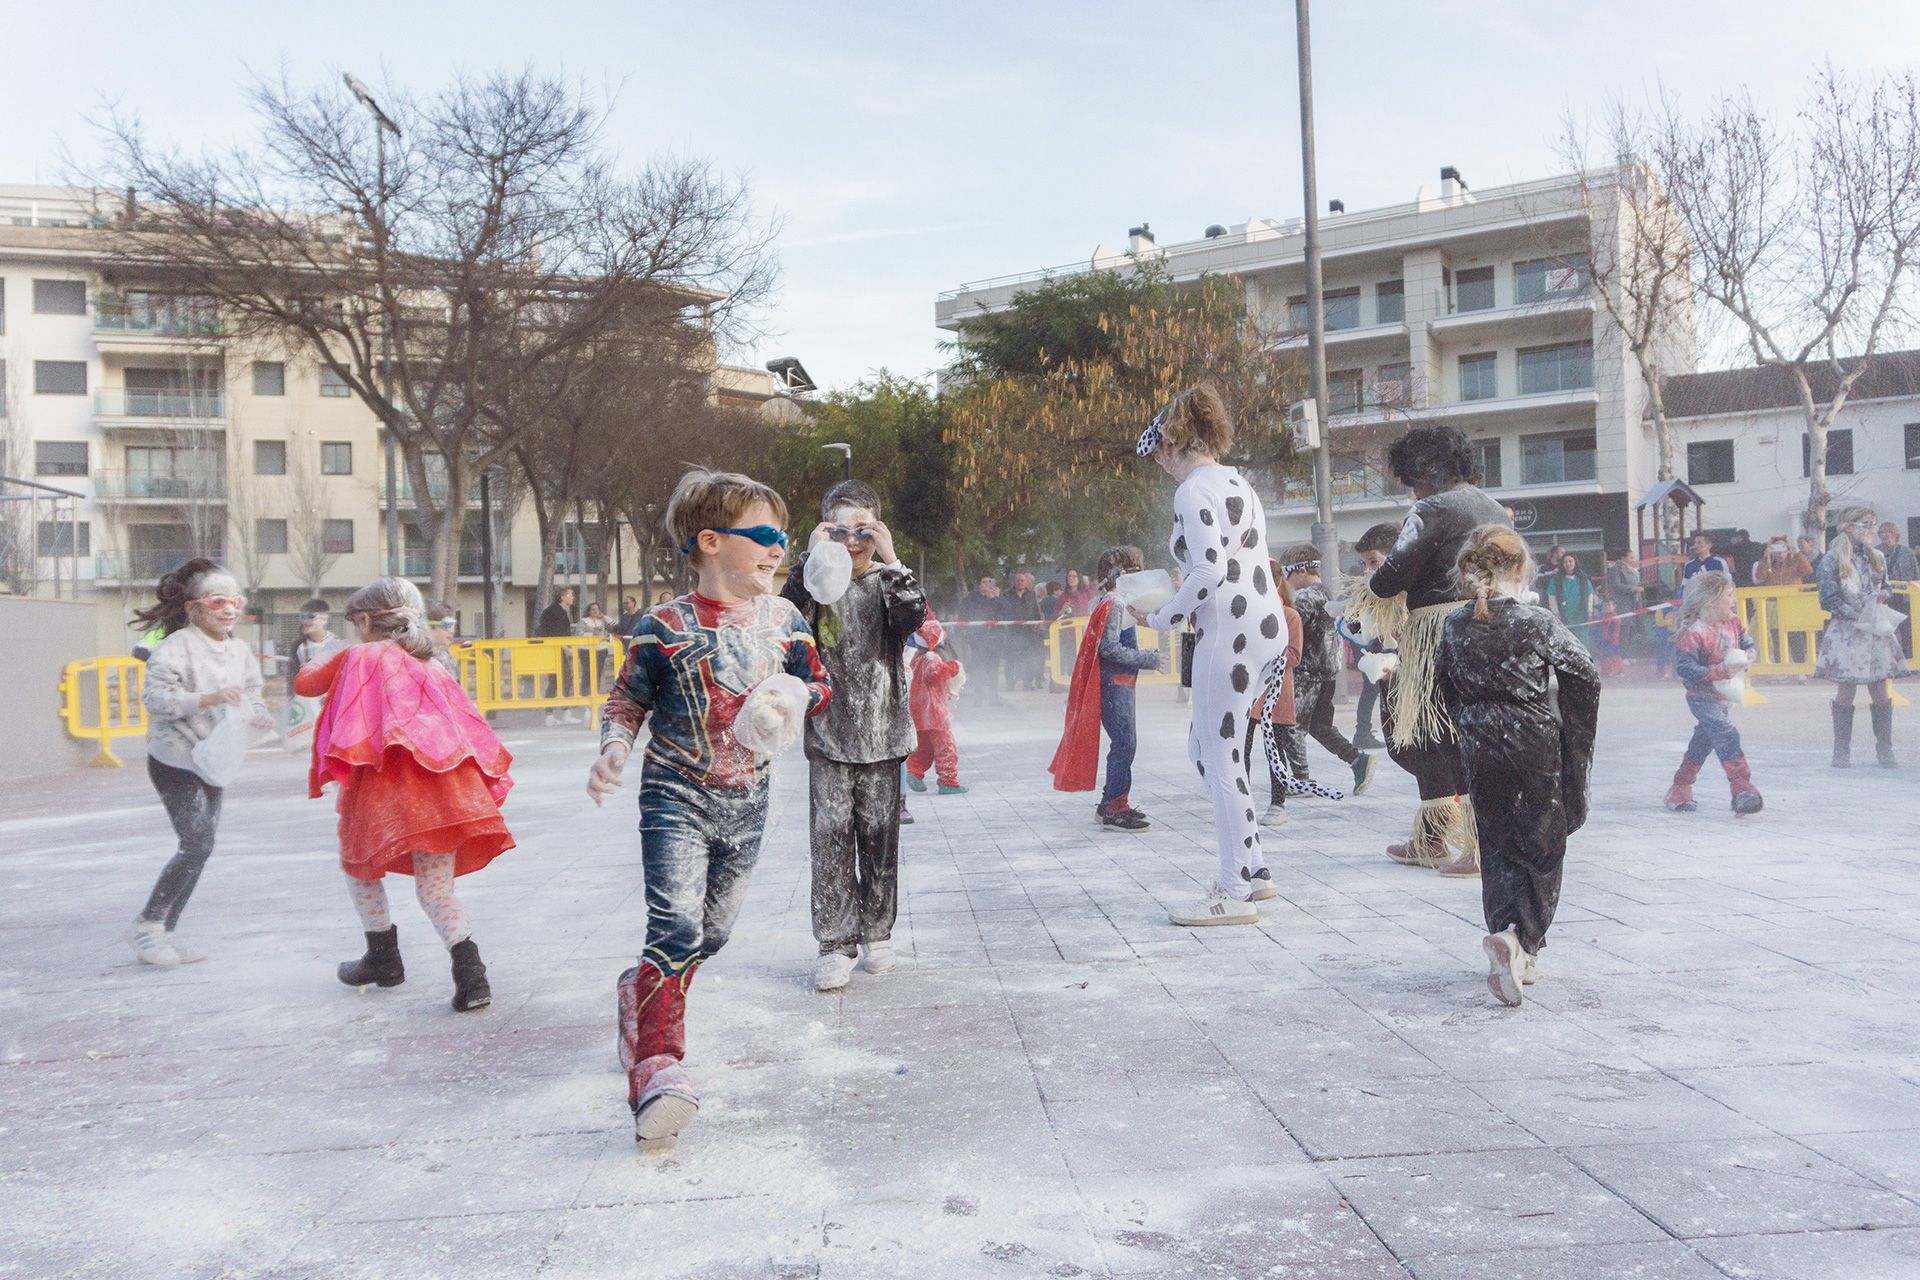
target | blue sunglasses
x=764, y=534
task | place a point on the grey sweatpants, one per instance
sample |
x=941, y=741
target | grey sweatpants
x=854, y=810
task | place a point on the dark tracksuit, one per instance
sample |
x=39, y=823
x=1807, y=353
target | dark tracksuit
x=1121, y=662
x=855, y=749
x=1526, y=767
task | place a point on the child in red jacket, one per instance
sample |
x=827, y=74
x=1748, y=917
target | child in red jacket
x=936, y=683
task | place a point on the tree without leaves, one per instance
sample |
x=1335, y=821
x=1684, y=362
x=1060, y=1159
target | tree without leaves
x=495, y=241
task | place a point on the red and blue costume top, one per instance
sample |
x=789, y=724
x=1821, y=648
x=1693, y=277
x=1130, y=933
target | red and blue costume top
x=690, y=664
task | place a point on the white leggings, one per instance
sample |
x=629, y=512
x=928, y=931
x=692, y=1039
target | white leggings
x=432, y=885
x=1220, y=714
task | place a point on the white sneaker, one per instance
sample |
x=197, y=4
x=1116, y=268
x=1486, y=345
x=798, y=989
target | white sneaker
x=148, y=938
x=1218, y=907
x=832, y=972
x=187, y=954
x=878, y=957
x=1275, y=816
x=1506, y=961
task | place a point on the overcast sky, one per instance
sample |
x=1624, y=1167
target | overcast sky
x=911, y=147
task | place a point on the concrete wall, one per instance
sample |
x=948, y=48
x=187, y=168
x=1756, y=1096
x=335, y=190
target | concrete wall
x=39, y=638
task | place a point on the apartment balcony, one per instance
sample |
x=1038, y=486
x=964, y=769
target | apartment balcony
x=147, y=565
x=119, y=328
x=183, y=486
x=125, y=409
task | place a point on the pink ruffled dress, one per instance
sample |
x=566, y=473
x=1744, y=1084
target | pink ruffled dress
x=419, y=768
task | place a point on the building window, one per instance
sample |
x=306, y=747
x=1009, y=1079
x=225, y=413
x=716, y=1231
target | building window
x=336, y=459
x=1473, y=289
x=60, y=377
x=1486, y=462
x=1343, y=391
x=60, y=457
x=1557, y=459
x=1565, y=366
x=269, y=378
x=64, y=538
x=1839, y=452
x=270, y=537
x=1390, y=302
x=60, y=297
x=1547, y=279
x=1710, y=462
x=332, y=384
x=336, y=537
x=1913, y=434
x=269, y=457
x=1480, y=376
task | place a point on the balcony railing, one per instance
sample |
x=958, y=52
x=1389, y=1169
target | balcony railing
x=123, y=402
x=183, y=322
x=146, y=564
x=167, y=486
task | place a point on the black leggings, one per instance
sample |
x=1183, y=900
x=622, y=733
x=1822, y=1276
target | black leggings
x=193, y=806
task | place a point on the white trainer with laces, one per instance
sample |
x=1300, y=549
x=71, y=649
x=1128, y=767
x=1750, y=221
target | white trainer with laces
x=1218, y=907
x=878, y=957
x=832, y=972
x=150, y=943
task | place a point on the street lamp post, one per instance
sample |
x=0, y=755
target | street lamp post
x=1325, y=535
x=383, y=125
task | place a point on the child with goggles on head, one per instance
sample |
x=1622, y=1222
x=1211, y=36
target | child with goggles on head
x=723, y=677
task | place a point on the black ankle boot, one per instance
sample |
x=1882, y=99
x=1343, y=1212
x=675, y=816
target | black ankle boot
x=1842, y=735
x=470, y=989
x=1882, y=713
x=380, y=967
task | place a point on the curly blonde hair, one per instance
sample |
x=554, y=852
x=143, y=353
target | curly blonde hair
x=1493, y=554
x=1197, y=421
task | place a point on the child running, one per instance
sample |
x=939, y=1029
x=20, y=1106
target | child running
x=702, y=672
x=937, y=680
x=1526, y=767
x=1711, y=646
x=421, y=780
x=1101, y=695
x=1319, y=665
x=201, y=681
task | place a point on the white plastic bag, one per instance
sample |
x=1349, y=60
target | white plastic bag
x=219, y=756
x=829, y=572
x=1147, y=590
x=770, y=719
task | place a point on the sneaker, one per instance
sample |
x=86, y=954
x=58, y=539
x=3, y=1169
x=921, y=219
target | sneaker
x=878, y=957
x=1462, y=869
x=916, y=784
x=1125, y=819
x=1218, y=907
x=1505, y=963
x=1363, y=773
x=1275, y=816
x=832, y=972
x=954, y=789
x=1262, y=883
x=187, y=954
x=150, y=943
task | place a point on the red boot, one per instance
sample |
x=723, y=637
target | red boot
x=1746, y=796
x=653, y=1039
x=1680, y=794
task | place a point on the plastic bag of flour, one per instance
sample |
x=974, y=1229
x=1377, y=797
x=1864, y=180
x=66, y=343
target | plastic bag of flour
x=1147, y=590
x=770, y=719
x=829, y=572
x=219, y=756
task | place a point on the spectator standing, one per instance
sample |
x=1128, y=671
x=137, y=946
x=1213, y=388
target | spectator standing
x=983, y=648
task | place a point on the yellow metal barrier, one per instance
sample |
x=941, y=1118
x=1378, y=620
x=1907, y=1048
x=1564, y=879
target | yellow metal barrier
x=540, y=673
x=100, y=701
x=1063, y=643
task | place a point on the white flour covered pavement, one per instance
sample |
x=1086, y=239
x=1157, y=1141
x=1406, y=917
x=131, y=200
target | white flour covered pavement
x=1716, y=1076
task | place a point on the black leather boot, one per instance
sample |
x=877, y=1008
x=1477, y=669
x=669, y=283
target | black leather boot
x=1882, y=713
x=1842, y=736
x=380, y=967
x=470, y=989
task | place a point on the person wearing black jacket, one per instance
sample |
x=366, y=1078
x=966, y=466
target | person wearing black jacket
x=1435, y=462
x=1526, y=763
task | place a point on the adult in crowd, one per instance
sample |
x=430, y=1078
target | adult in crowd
x=1026, y=642
x=1079, y=596
x=983, y=644
x=1859, y=645
x=1902, y=565
x=1704, y=559
x=1781, y=565
x=556, y=621
x=1435, y=463
x=1569, y=595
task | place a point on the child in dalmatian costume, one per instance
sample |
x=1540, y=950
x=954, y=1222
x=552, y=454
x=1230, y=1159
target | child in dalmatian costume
x=1220, y=542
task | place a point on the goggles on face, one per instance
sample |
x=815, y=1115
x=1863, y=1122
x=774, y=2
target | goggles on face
x=764, y=534
x=221, y=602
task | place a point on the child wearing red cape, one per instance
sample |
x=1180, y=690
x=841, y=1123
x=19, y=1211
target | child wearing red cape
x=1101, y=695
x=421, y=779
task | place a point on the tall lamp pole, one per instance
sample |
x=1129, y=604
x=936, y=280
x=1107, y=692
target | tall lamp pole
x=1325, y=535
x=383, y=125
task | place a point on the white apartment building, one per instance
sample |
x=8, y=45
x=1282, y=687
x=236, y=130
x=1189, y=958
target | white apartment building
x=1458, y=307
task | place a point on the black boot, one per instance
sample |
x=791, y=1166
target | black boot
x=1882, y=713
x=470, y=989
x=380, y=967
x=1842, y=736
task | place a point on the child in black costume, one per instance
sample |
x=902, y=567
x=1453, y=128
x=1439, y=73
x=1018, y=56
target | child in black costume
x=1526, y=768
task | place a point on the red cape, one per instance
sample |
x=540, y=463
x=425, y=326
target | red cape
x=1076, y=765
